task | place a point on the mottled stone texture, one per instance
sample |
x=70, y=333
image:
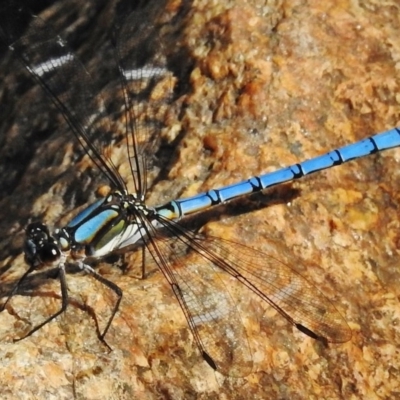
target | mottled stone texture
x=264, y=84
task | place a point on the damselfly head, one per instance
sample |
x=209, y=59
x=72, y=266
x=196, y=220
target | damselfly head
x=40, y=247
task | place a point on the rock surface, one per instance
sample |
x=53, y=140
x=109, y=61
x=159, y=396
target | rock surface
x=265, y=84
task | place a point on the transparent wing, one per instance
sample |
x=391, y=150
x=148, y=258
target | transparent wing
x=89, y=108
x=63, y=77
x=194, y=265
x=203, y=294
x=147, y=83
x=292, y=295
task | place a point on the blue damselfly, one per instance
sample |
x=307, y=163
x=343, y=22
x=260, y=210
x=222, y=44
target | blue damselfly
x=123, y=221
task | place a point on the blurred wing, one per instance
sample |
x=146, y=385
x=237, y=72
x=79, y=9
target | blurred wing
x=62, y=76
x=147, y=83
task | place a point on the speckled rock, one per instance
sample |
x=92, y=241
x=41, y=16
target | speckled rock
x=265, y=84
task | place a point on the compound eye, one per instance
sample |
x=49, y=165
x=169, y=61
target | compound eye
x=30, y=251
x=37, y=228
x=49, y=253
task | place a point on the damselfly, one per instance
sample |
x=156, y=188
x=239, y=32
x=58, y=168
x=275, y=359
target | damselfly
x=123, y=221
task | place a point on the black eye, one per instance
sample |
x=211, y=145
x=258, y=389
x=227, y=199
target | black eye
x=30, y=251
x=37, y=228
x=49, y=253
x=40, y=247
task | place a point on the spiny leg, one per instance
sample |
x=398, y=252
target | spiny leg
x=64, y=303
x=112, y=286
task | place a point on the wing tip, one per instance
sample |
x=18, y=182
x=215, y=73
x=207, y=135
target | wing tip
x=209, y=360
